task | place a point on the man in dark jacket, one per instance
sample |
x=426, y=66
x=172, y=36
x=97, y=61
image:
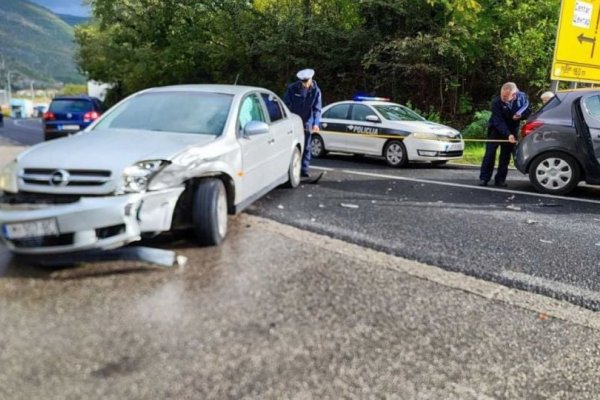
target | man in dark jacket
x=508, y=110
x=303, y=97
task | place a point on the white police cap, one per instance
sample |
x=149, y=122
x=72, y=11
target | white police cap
x=305, y=74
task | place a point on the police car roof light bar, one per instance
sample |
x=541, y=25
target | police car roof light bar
x=367, y=98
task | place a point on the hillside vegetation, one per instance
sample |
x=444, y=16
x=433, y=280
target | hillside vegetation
x=36, y=43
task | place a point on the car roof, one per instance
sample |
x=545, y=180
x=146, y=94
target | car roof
x=213, y=88
x=368, y=102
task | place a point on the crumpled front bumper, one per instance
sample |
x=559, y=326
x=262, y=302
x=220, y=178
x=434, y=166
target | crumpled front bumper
x=90, y=222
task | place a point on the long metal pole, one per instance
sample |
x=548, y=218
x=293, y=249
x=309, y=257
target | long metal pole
x=9, y=91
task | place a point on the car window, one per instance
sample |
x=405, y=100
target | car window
x=276, y=112
x=70, y=105
x=183, y=112
x=360, y=112
x=396, y=112
x=251, y=110
x=337, y=112
x=592, y=106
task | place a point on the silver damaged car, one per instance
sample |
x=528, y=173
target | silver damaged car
x=167, y=158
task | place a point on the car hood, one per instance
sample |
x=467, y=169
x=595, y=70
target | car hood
x=424, y=127
x=111, y=149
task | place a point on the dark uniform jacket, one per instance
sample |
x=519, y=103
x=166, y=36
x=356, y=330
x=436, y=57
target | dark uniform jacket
x=304, y=102
x=501, y=123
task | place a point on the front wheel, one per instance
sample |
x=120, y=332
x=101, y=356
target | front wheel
x=209, y=212
x=395, y=153
x=554, y=173
x=317, y=146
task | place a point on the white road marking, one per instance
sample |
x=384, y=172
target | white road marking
x=459, y=185
x=549, y=284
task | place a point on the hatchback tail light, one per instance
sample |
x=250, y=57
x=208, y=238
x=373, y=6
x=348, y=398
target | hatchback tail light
x=90, y=116
x=49, y=116
x=530, y=127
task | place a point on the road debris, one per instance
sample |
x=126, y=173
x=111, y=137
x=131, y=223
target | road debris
x=349, y=205
x=513, y=207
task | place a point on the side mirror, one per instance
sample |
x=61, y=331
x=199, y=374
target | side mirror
x=253, y=128
x=373, y=118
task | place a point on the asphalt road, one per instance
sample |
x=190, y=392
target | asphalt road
x=23, y=131
x=437, y=215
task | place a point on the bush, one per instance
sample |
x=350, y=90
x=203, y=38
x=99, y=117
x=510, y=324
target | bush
x=478, y=128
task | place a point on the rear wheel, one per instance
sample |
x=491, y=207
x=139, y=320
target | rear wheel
x=554, y=173
x=317, y=146
x=209, y=212
x=395, y=153
x=294, y=170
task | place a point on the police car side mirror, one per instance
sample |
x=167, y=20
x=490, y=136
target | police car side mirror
x=373, y=118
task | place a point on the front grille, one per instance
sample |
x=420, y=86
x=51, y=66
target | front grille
x=44, y=241
x=64, y=177
x=456, y=153
x=37, y=198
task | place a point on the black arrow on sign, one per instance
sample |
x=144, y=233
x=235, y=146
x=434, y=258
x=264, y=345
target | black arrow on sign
x=582, y=39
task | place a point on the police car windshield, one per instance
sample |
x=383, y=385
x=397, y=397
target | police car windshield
x=396, y=112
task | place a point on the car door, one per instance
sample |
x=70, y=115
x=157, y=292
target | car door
x=258, y=150
x=363, y=132
x=283, y=132
x=590, y=107
x=334, y=122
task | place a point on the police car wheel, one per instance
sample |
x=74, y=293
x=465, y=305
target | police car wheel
x=554, y=173
x=317, y=146
x=395, y=153
x=209, y=212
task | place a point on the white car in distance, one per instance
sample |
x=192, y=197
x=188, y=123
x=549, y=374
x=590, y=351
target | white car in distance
x=166, y=158
x=374, y=126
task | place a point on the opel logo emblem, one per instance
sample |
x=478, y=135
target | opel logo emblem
x=69, y=115
x=59, y=177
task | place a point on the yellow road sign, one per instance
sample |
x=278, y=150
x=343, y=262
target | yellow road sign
x=577, y=50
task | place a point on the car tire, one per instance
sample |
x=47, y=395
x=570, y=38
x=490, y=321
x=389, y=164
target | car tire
x=294, y=169
x=439, y=162
x=209, y=212
x=554, y=173
x=317, y=146
x=394, y=153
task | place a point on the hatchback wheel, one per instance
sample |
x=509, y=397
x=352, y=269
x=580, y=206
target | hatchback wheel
x=554, y=173
x=395, y=153
x=209, y=212
x=317, y=146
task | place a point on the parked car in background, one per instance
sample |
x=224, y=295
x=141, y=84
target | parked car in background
x=177, y=157
x=70, y=114
x=560, y=143
x=375, y=126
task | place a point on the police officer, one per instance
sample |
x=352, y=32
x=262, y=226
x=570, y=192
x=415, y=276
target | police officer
x=303, y=97
x=508, y=110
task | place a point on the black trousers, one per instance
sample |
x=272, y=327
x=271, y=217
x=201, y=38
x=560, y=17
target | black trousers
x=489, y=159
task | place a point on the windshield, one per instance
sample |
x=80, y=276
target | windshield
x=183, y=112
x=396, y=112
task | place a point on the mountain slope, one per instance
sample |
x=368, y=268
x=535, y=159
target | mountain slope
x=36, y=43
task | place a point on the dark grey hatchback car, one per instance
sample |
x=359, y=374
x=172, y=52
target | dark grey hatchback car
x=560, y=143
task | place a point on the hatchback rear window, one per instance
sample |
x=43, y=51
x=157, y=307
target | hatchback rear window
x=70, y=105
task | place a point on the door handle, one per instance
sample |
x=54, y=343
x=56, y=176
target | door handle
x=290, y=132
x=271, y=141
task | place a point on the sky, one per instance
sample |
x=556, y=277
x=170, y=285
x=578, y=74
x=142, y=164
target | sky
x=70, y=7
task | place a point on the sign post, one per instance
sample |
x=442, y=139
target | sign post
x=577, y=50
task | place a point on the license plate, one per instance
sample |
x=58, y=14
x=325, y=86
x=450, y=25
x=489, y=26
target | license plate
x=69, y=127
x=42, y=227
x=453, y=146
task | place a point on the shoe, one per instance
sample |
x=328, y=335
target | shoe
x=500, y=184
x=483, y=183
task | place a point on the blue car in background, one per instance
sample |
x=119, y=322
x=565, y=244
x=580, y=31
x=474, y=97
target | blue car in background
x=70, y=114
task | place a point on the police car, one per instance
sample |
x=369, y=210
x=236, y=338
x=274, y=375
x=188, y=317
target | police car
x=375, y=126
